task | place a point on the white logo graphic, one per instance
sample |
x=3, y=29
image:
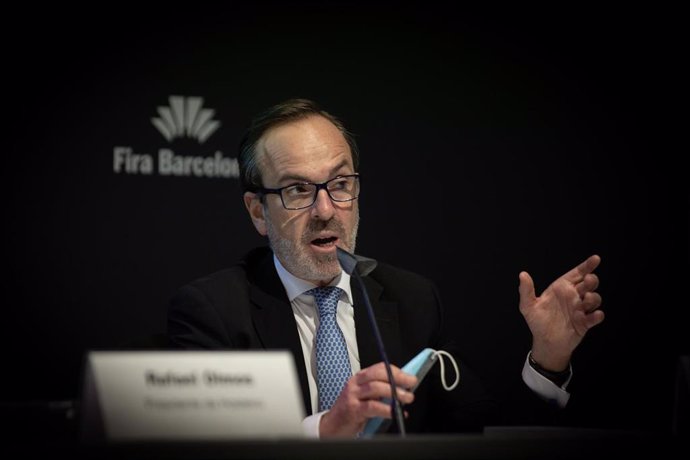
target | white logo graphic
x=186, y=118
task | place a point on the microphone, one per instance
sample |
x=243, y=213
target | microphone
x=348, y=262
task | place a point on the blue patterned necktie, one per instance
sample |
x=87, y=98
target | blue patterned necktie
x=332, y=361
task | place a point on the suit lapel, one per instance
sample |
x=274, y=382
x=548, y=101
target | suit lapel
x=386, y=315
x=275, y=324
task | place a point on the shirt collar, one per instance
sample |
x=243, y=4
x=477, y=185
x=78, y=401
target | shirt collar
x=294, y=287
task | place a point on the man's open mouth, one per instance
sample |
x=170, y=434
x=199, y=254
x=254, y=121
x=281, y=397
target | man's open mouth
x=325, y=242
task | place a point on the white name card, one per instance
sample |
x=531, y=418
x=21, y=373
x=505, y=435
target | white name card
x=191, y=395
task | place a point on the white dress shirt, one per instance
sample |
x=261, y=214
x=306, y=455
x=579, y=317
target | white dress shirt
x=307, y=318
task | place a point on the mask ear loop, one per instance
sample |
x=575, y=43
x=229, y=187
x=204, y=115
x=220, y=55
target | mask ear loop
x=441, y=354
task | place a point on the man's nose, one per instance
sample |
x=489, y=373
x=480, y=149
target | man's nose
x=323, y=206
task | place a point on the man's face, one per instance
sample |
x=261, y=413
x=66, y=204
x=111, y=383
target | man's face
x=305, y=240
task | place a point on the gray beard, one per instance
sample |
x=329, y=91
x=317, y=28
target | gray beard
x=309, y=266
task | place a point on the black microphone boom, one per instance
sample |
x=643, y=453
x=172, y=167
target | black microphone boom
x=348, y=262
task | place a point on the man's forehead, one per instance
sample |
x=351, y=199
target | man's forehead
x=306, y=142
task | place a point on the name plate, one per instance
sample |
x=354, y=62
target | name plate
x=191, y=395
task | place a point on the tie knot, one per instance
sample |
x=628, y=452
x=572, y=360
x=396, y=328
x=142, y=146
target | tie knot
x=326, y=299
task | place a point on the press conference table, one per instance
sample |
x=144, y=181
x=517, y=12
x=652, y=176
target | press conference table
x=49, y=430
x=495, y=443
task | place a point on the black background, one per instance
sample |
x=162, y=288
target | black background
x=492, y=141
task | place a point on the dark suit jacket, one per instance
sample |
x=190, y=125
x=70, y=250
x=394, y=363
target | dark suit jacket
x=246, y=307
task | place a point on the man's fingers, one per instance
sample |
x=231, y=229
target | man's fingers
x=578, y=273
x=588, y=284
x=591, y=302
x=594, y=318
x=377, y=389
x=526, y=289
x=366, y=395
x=375, y=408
x=377, y=372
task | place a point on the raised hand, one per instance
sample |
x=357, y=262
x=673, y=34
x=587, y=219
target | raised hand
x=561, y=316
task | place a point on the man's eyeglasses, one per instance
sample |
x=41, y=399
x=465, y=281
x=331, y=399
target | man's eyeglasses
x=303, y=195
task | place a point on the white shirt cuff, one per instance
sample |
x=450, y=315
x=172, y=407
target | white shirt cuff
x=545, y=388
x=310, y=425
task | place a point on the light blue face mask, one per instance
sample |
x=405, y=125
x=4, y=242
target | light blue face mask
x=418, y=366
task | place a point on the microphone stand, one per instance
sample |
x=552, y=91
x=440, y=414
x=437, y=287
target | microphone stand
x=348, y=262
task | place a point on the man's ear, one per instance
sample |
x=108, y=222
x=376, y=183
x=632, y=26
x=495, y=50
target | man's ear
x=255, y=207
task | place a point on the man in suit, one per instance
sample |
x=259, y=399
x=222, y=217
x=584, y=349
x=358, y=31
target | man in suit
x=298, y=169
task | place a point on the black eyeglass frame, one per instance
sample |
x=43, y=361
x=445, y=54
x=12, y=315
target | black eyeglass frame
x=323, y=185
